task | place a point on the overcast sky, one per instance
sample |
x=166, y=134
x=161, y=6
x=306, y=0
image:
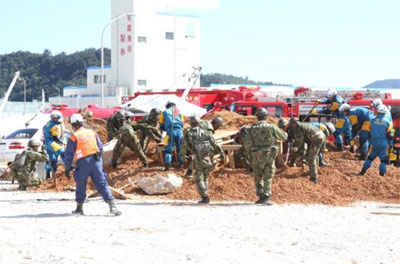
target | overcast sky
x=342, y=43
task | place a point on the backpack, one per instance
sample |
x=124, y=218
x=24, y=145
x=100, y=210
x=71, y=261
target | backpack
x=202, y=146
x=19, y=160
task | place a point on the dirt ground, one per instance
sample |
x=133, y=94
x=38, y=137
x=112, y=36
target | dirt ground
x=338, y=183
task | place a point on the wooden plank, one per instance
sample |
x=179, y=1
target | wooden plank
x=119, y=193
x=231, y=159
x=386, y=213
x=231, y=147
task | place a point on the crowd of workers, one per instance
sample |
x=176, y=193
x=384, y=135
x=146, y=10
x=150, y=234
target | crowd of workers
x=305, y=142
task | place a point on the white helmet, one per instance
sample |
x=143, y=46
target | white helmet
x=56, y=114
x=381, y=109
x=331, y=127
x=376, y=102
x=344, y=107
x=331, y=92
x=76, y=119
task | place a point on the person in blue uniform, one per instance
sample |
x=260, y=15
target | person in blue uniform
x=84, y=149
x=53, y=140
x=333, y=100
x=342, y=127
x=171, y=121
x=360, y=120
x=381, y=129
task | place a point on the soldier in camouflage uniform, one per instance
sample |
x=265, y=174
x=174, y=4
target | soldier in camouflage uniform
x=262, y=143
x=114, y=123
x=304, y=133
x=210, y=127
x=200, y=143
x=127, y=138
x=24, y=166
x=148, y=128
x=244, y=153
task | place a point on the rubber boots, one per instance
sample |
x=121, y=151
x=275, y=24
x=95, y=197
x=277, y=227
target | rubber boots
x=362, y=172
x=205, y=200
x=188, y=173
x=113, y=208
x=339, y=147
x=79, y=209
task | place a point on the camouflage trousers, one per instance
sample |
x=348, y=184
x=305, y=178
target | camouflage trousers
x=313, y=153
x=202, y=170
x=263, y=164
x=133, y=144
x=27, y=180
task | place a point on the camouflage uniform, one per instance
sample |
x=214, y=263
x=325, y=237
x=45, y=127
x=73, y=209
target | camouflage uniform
x=148, y=128
x=26, y=174
x=305, y=133
x=299, y=149
x=127, y=138
x=112, y=127
x=199, y=142
x=243, y=155
x=262, y=143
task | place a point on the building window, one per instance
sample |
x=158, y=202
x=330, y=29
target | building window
x=97, y=79
x=169, y=35
x=142, y=82
x=142, y=39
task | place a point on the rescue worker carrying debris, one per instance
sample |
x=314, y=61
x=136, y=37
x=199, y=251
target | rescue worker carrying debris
x=200, y=143
x=83, y=155
x=360, y=120
x=342, y=126
x=127, y=138
x=210, y=127
x=305, y=133
x=381, y=133
x=262, y=141
x=328, y=129
x=171, y=121
x=114, y=123
x=53, y=139
x=334, y=100
x=148, y=128
x=24, y=165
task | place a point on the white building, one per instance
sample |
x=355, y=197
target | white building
x=150, y=50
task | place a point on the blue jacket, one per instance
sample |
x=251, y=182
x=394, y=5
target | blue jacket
x=167, y=121
x=380, y=129
x=358, y=116
x=343, y=125
x=334, y=105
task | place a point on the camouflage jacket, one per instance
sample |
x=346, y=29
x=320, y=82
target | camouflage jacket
x=31, y=160
x=199, y=142
x=263, y=135
x=207, y=125
x=149, y=125
x=112, y=127
x=304, y=133
x=126, y=132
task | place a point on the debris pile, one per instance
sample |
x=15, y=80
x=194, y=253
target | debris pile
x=338, y=182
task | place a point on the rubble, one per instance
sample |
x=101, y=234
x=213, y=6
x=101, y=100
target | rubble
x=158, y=184
x=338, y=182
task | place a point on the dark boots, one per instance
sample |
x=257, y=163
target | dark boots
x=339, y=147
x=167, y=166
x=264, y=199
x=188, y=173
x=114, y=165
x=205, y=200
x=362, y=172
x=79, y=209
x=322, y=163
x=362, y=156
x=314, y=181
x=113, y=208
